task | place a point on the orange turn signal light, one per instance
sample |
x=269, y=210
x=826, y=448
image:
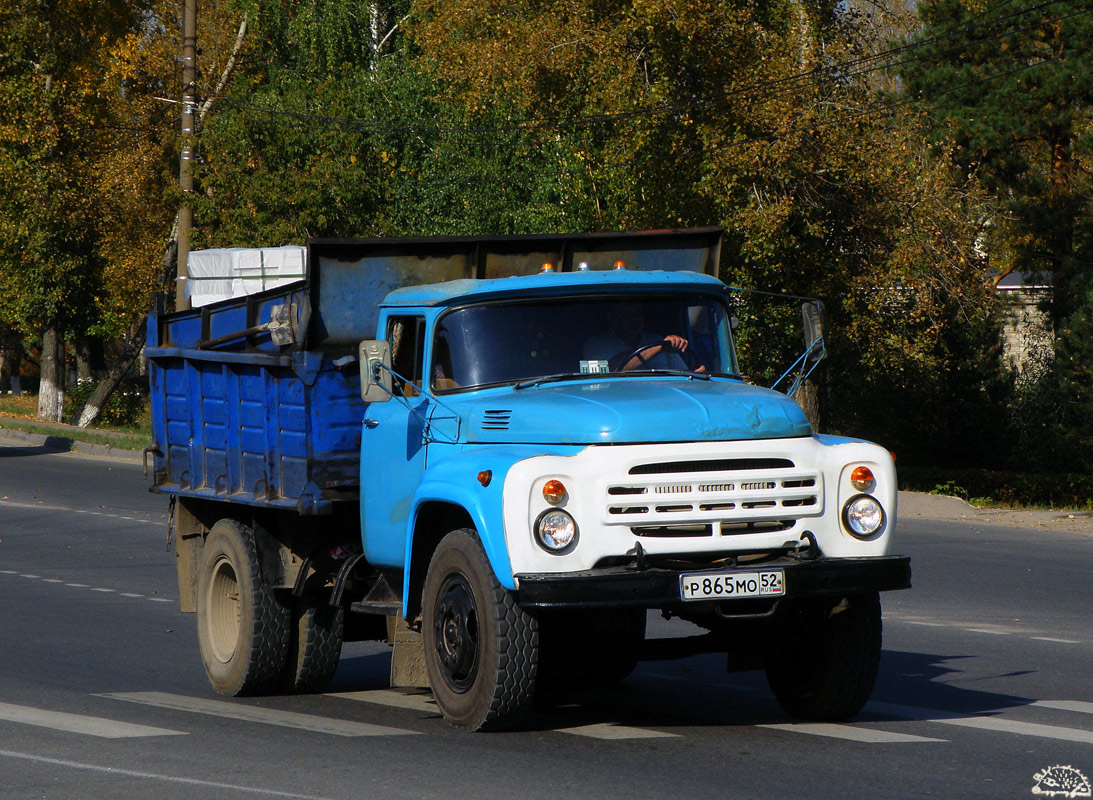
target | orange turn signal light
x=485, y=476
x=554, y=492
x=862, y=478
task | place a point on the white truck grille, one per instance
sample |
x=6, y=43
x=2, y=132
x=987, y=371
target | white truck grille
x=715, y=497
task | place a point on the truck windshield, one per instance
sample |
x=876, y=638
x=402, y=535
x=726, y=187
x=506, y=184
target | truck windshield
x=512, y=342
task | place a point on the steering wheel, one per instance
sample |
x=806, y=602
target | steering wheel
x=689, y=358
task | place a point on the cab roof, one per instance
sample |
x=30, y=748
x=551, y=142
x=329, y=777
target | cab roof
x=548, y=284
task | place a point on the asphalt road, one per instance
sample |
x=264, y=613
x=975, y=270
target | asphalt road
x=985, y=683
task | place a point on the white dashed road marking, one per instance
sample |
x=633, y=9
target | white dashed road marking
x=130, y=773
x=991, y=631
x=43, y=507
x=100, y=589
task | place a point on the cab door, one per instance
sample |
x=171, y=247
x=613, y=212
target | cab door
x=393, y=446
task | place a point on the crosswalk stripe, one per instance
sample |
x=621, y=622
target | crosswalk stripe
x=425, y=703
x=387, y=697
x=80, y=723
x=268, y=716
x=613, y=731
x=1066, y=705
x=850, y=733
x=995, y=724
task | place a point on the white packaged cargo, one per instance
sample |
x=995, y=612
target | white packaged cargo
x=222, y=274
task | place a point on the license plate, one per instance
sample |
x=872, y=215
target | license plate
x=728, y=585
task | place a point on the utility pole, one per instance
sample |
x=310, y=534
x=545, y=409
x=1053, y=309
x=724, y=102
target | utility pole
x=186, y=160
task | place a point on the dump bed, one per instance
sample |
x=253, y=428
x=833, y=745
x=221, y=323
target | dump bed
x=256, y=400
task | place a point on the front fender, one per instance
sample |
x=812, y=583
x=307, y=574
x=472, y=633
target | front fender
x=453, y=479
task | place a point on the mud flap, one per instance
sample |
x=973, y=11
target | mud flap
x=407, y=656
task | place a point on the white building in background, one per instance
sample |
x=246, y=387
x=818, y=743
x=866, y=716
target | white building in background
x=1028, y=338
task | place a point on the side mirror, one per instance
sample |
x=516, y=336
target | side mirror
x=812, y=314
x=375, y=362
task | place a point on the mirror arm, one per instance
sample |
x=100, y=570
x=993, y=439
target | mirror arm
x=806, y=368
x=427, y=425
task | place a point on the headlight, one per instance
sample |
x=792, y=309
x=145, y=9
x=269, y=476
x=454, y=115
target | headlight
x=863, y=516
x=555, y=531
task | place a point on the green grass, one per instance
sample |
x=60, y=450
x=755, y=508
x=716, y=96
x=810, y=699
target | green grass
x=997, y=488
x=20, y=411
x=19, y=404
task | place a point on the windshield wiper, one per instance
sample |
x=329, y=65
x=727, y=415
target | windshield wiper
x=569, y=376
x=702, y=376
x=561, y=376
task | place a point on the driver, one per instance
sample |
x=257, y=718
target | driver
x=626, y=345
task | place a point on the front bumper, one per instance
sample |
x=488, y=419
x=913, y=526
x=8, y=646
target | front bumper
x=655, y=588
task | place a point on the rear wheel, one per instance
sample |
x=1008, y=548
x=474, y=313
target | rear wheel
x=315, y=645
x=481, y=648
x=825, y=663
x=242, y=629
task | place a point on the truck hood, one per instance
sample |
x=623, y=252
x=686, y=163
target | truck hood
x=630, y=410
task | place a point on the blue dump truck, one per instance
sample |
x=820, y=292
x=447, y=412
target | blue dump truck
x=498, y=454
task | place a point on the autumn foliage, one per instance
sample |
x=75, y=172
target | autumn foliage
x=828, y=139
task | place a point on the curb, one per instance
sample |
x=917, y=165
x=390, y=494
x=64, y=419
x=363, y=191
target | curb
x=62, y=444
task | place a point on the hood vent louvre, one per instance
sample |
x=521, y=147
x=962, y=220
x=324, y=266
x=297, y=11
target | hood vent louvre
x=718, y=465
x=496, y=419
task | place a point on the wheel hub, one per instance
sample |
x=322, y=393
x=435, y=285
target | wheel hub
x=455, y=628
x=224, y=610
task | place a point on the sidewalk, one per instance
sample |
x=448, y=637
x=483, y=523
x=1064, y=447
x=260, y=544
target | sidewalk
x=58, y=438
x=942, y=507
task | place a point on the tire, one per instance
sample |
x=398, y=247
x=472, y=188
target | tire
x=589, y=647
x=825, y=665
x=481, y=648
x=315, y=645
x=242, y=629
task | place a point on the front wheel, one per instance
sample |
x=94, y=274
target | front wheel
x=481, y=648
x=824, y=664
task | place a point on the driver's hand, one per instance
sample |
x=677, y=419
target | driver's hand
x=677, y=343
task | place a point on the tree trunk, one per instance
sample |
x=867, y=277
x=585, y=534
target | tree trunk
x=134, y=339
x=131, y=348
x=134, y=343
x=16, y=367
x=83, y=359
x=807, y=397
x=51, y=389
